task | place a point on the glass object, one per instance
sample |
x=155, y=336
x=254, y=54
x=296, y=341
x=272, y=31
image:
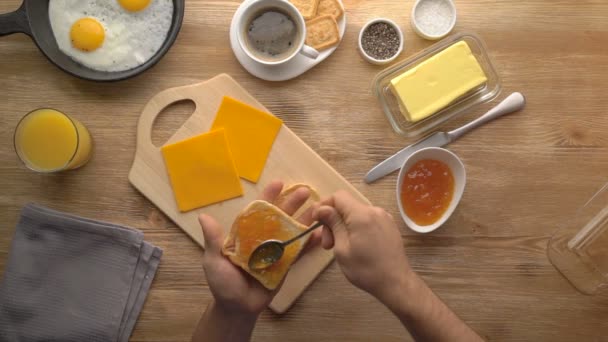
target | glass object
x=47, y=140
x=579, y=250
x=483, y=94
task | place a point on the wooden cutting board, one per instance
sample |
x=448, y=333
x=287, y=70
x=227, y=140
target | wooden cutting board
x=290, y=160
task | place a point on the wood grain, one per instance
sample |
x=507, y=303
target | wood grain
x=527, y=173
x=290, y=159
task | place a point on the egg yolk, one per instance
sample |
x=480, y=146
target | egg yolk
x=87, y=34
x=134, y=5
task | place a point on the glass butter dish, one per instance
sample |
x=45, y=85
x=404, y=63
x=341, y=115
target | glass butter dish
x=482, y=94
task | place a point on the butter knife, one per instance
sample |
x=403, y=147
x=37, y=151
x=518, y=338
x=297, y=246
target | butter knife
x=512, y=103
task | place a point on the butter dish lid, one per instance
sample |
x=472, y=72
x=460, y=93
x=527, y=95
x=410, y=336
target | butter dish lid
x=483, y=94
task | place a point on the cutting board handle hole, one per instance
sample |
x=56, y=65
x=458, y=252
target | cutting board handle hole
x=170, y=119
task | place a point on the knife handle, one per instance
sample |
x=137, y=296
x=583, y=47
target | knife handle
x=512, y=103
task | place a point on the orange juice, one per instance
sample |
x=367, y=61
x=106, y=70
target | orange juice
x=47, y=140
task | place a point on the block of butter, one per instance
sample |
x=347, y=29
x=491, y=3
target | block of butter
x=433, y=84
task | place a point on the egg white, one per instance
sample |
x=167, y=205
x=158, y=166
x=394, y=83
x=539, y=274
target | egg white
x=131, y=38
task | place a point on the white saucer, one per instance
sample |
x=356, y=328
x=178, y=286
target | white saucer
x=292, y=69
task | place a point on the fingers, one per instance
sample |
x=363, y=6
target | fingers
x=327, y=238
x=294, y=201
x=332, y=212
x=313, y=241
x=291, y=199
x=272, y=191
x=346, y=204
x=315, y=237
x=306, y=217
x=330, y=217
x=213, y=234
x=289, y=202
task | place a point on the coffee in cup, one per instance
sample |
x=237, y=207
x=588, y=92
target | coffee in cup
x=272, y=35
x=273, y=32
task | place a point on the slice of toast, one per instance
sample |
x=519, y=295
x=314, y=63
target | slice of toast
x=258, y=222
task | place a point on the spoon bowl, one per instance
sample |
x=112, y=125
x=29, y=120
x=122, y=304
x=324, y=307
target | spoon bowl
x=271, y=251
x=266, y=254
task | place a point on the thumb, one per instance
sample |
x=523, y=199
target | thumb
x=331, y=219
x=213, y=234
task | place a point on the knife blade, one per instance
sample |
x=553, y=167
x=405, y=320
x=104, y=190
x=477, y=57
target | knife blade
x=510, y=104
x=395, y=161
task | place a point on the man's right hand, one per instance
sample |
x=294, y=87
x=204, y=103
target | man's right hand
x=369, y=249
x=367, y=244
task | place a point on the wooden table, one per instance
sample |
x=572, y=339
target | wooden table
x=528, y=172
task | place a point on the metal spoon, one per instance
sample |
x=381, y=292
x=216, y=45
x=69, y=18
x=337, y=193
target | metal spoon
x=271, y=251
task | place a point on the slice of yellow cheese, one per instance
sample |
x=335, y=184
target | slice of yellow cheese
x=250, y=132
x=201, y=170
x=433, y=84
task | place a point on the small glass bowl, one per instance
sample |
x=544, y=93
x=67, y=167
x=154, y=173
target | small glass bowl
x=482, y=94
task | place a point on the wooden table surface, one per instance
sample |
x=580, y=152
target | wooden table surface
x=527, y=173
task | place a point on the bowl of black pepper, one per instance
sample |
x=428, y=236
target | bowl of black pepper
x=380, y=41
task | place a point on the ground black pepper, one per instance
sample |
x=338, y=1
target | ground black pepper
x=380, y=41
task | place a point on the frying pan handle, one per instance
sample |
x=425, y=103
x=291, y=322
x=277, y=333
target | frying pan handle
x=153, y=108
x=15, y=22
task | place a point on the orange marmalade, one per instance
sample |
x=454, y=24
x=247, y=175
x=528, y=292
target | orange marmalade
x=427, y=191
x=259, y=226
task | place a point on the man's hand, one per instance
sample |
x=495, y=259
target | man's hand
x=369, y=249
x=367, y=244
x=238, y=297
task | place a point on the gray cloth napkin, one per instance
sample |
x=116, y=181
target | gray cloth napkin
x=73, y=279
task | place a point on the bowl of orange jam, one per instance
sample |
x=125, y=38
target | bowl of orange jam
x=430, y=185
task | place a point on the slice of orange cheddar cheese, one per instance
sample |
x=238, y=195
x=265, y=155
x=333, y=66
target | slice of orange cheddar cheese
x=202, y=170
x=250, y=132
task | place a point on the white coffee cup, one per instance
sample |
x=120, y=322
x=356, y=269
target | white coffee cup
x=255, y=8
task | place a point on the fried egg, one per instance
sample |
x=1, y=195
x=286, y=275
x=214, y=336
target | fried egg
x=110, y=35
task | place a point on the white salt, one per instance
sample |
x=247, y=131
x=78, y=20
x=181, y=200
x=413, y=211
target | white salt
x=434, y=17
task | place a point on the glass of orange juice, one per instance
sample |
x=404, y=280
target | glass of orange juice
x=47, y=140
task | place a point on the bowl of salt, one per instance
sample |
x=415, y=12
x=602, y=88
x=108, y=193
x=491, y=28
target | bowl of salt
x=433, y=19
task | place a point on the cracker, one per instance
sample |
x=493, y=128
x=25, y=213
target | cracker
x=330, y=7
x=308, y=8
x=322, y=32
